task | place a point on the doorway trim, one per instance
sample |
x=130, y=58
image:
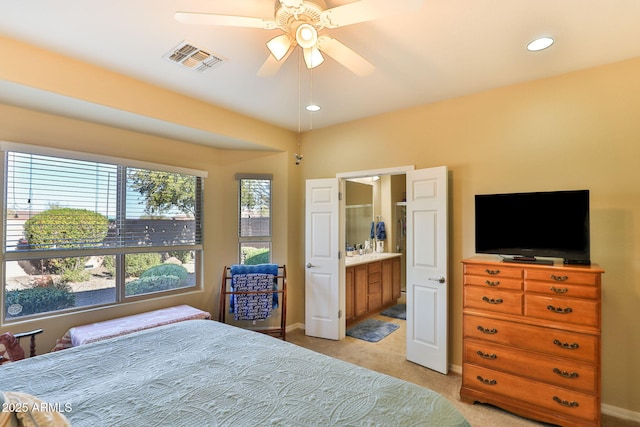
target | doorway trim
x=386, y=171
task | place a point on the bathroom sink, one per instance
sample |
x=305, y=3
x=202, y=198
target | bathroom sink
x=363, y=259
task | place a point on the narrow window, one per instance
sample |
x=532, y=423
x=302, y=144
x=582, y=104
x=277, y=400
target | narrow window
x=254, y=213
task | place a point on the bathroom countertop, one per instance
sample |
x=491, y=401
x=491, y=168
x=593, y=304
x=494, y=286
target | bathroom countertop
x=364, y=259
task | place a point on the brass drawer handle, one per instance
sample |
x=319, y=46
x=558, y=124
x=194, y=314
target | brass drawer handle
x=486, y=380
x=492, y=272
x=492, y=300
x=559, y=310
x=559, y=278
x=566, y=345
x=565, y=374
x=487, y=330
x=491, y=356
x=569, y=404
x=559, y=290
x=490, y=283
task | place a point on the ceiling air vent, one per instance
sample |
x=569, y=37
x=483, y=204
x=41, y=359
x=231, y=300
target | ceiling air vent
x=192, y=57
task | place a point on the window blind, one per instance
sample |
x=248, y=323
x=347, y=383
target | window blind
x=255, y=207
x=57, y=203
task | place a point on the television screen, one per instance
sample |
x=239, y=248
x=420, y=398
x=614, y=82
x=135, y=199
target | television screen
x=527, y=225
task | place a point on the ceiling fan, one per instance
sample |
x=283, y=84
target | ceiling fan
x=301, y=21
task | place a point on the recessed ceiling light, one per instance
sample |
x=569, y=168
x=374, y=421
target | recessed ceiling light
x=312, y=107
x=540, y=44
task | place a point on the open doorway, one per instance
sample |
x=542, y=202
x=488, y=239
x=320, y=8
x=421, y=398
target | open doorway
x=374, y=266
x=426, y=260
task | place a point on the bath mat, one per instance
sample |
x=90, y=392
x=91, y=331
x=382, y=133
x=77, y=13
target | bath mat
x=371, y=330
x=398, y=311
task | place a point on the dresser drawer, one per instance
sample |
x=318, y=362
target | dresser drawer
x=564, y=289
x=570, y=310
x=494, y=282
x=572, y=374
x=551, y=341
x=493, y=271
x=556, y=399
x=493, y=299
x=555, y=276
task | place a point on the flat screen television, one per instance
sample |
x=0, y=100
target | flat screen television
x=523, y=226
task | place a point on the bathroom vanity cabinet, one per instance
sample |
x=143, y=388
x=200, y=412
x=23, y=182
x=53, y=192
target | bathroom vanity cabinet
x=372, y=284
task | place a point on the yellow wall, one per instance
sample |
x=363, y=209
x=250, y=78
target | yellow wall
x=579, y=130
x=65, y=76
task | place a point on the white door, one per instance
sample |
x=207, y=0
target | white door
x=323, y=297
x=427, y=268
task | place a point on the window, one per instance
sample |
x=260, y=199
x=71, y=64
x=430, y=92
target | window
x=81, y=232
x=254, y=213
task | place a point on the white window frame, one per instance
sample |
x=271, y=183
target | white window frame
x=118, y=252
x=267, y=239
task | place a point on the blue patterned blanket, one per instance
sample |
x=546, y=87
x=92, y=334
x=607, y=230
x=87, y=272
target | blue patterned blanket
x=248, y=278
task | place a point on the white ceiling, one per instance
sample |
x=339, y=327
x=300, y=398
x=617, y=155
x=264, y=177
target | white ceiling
x=447, y=49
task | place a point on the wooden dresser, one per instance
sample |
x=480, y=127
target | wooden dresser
x=532, y=339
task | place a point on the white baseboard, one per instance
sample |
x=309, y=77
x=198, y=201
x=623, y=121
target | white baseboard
x=621, y=413
x=295, y=326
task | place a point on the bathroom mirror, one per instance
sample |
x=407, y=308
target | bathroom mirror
x=359, y=205
x=375, y=199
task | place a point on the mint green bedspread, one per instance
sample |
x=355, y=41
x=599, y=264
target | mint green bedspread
x=204, y=373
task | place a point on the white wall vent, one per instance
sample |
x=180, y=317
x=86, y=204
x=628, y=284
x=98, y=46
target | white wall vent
x=192, y=57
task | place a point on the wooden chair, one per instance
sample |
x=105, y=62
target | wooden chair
x=12, y=349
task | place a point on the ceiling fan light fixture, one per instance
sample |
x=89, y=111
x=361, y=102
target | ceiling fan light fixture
x=306, y=36
x=312, y=57
x=279, y=46
x=301, y=21
x=312, y=107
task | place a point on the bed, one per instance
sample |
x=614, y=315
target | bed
x=206, y=373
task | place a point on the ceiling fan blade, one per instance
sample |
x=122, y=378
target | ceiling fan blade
x=345, y=56
x=366, y=10
x=224, y=20
x=272, y=65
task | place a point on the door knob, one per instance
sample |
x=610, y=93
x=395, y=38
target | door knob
x=309, y=265
x=440, y=279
